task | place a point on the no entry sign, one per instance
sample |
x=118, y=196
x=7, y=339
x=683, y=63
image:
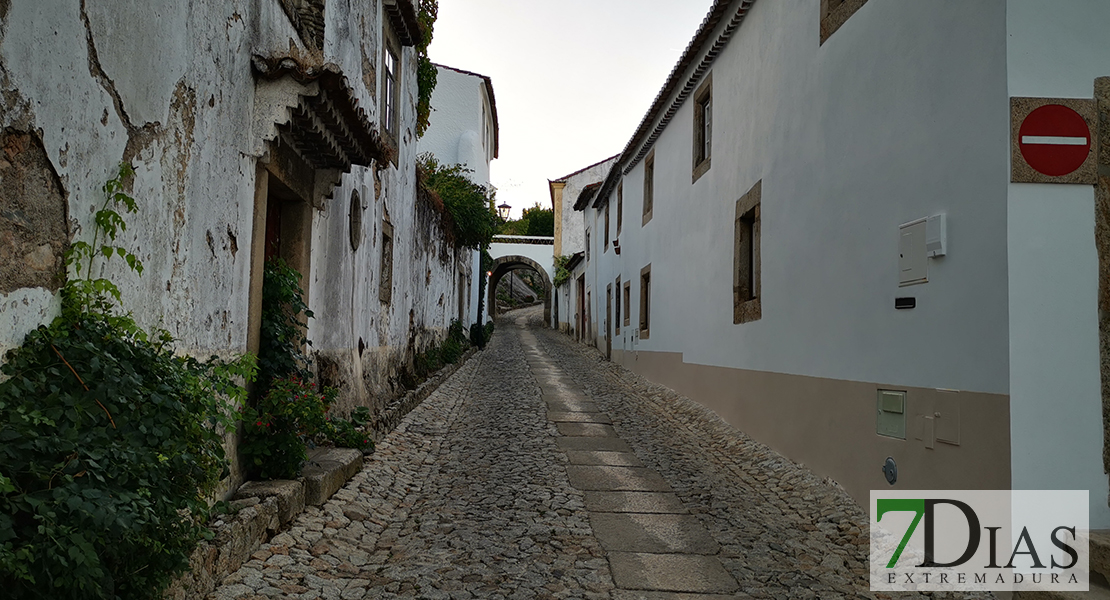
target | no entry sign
x=1053, y=140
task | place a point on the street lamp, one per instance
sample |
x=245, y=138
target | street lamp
x=503, y=211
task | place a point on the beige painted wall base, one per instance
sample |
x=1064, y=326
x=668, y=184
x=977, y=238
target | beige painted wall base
x=829, y=425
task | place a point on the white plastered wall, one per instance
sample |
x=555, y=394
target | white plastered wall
x=1055, y=50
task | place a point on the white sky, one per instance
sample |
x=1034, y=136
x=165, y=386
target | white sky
x=572, y=78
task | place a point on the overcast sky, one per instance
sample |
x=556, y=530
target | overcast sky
x=572, y=78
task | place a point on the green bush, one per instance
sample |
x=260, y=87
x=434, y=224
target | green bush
x=452, y=351
x=281, y=338
x=345, y=434
x=277, y=429
x=110, y=444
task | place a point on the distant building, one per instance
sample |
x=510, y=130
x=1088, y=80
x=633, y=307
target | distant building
x=828, y=234
x=570, y=237
x=463, y=130
x=463, y=126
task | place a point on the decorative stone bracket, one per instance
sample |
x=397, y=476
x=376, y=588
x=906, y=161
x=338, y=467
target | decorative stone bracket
x=313, y=111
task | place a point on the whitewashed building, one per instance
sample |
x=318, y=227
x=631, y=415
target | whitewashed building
x=568, y=194
x=256, y=129
x=464, y=130
x=832, y=232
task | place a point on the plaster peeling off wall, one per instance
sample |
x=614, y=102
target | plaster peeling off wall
x=33, y=228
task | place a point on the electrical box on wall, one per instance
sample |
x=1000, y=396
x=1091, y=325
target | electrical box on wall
x=912, y=265
x=891, y=419
x=936, y=238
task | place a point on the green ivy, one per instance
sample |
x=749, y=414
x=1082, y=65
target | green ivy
x=562, y=274
x=467, y=202
x=426, y=73
x=111, y=444
x=282, y=341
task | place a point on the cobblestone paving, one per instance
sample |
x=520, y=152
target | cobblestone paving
x=469, y=498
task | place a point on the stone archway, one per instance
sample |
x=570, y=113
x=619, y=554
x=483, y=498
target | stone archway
x=503, y=265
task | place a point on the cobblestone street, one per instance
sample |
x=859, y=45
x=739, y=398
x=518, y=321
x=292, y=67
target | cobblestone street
x=540, y=470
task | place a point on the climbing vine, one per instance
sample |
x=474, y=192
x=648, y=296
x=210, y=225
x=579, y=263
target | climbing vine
x=468, y=203
x=562, y=273
x=111, y=443
x=425, y=70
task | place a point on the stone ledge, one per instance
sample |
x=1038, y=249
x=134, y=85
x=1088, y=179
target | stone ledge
x=290, y=495
x=328, y=470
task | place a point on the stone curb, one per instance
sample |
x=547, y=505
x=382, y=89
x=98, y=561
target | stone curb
x=266, y=507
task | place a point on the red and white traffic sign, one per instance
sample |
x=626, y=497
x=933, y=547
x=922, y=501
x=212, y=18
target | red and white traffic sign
x=1054, y=140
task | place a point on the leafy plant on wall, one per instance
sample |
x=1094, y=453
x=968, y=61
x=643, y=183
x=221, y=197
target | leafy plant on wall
x=111, y=444
x=468, y=203
x=425, y=70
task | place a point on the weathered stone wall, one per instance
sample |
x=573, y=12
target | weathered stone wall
x=169, y=87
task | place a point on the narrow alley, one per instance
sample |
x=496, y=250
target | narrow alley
x=541, y=471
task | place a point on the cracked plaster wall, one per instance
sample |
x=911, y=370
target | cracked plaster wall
x=169, y=87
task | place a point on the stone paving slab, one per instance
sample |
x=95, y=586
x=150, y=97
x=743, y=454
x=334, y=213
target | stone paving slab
x=634, y=502
x=600, y=457
x=670, y=573
x=612, y=479
x=570, y=404
x=578, y=417
x=592, y=443
x=655, y=533
x=586, y=429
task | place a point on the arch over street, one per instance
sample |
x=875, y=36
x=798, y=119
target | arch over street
x=504, y=264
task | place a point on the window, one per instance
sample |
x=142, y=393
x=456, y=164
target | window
x=385, y=288
x=746, y=304
x=587, y=246
x=645, y=301
x=649, y=186
x=835, y=13
x=703, y=127
x=605, y=248
x=391, y=82
x=617, y=320
x=627, y=303
x=620, y=207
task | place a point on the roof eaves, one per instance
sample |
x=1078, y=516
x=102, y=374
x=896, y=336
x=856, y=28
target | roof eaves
x=663, y=106
x=403, y=20
x=586, y=195
x=584, y=169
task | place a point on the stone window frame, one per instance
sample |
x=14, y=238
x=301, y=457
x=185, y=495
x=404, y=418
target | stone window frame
x=645, y=302
x=617, y=307
x=385, y=286
x=587, y=245
x=703, y=128
x=834, y=13
x=649, y=187
x=746, y=272
x=391, y=85
x=627, y=303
